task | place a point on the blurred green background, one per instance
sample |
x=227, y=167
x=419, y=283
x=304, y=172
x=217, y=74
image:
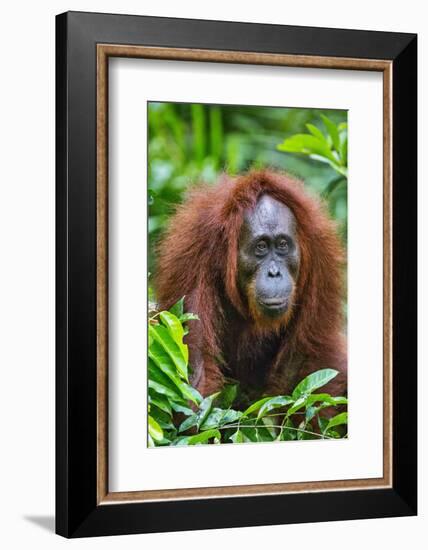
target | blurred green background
x=190, y=143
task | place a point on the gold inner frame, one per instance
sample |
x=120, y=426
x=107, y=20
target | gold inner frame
x=104, y=51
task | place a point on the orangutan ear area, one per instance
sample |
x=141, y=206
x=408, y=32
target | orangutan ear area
x=247, y=305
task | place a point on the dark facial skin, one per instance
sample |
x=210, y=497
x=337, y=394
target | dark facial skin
x=268, y=257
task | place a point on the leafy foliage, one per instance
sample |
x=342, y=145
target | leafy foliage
x=178, y=415
x=330, y=148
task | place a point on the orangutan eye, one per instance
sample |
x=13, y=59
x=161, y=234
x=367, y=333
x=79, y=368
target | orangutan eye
x=261, y=247
x=283, y=245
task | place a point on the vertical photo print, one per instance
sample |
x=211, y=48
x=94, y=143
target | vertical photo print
x=247, y=264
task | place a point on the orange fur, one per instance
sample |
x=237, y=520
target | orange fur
x=197, y=258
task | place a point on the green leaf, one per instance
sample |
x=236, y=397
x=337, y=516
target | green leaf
x=288, y=432
x=270, y=425
x=181, y=440
x=162, y=336
x=162, y=418
x=333, y=131
x=310, y=413
x=161, y=402
x=315, y=132
x=337, y=420
x=178, y=308
x=250, y=434
x=302, y=435
x=220, y=417
x=343, y=150
x=204, y=437
x=190, y=422
x=307, y=145
x=161, y=383
x=181, y=408
x=176, y=330
x=230, y=416
x=205, y=408
x=314, y=381
x=155, y=431
x=196, y=396
x=164, y=390
x=298, y=404
x=227, y=395
x=325, y=398
x=339, y=401
x=237, y=437
x=162, y=359
x=342, y=170
x=322, y=423
x=256, y=406
x=274, y=403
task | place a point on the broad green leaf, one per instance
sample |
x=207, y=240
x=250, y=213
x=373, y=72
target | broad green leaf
x=274, y=403
x=162, y=418
x=333, y=131
x=298, y=404
x=237, y=437
x=161, y=383
x=196, y=396
x=315, y=132
x=342, y=170
x=256, y=406
x=190, y=422
x=178, y=308
x=204, y=437
x=162, y=336
x=270, y=425
x=288, y=432
x=337, y=420
x=162, y=359
x=230, y=416
x=213, y=420
x=220, y=417
x=314, y=381
x=164, y=390
x=322, y=423
x=310, y=413
x=150, y=441
x=181, y=408
x=302, y=435
x=205, y=408
x=339, y=401
x=155, y=431
x=180, y=441
x=227, y=395
x=161, y=402
x=176, y=329
x=264, y=434
x=250, y=434
x=325, y=398
x=174, y=388
x=307, y=145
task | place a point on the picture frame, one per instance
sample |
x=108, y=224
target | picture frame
x=84, y=44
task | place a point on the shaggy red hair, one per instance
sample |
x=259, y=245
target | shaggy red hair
x=198, y=259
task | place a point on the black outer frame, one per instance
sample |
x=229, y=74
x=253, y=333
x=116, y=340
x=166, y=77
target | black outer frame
x=77, y=513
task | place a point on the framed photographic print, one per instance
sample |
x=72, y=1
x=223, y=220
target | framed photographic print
x=236, y=274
